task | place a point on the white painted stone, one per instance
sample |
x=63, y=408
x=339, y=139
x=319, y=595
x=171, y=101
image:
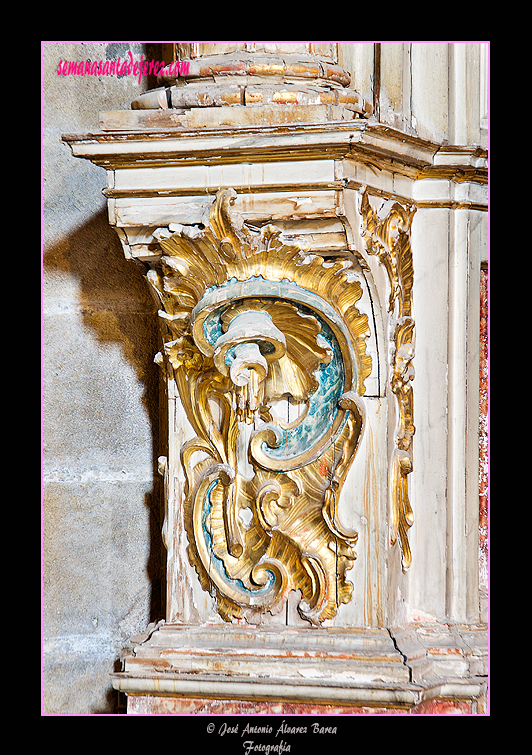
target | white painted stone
x=428, y=573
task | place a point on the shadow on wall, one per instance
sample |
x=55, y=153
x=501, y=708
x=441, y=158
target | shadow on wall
x=114, y=304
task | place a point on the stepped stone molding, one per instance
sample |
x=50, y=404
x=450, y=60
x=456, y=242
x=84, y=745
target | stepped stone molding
x=255, y=75
x=399, y=668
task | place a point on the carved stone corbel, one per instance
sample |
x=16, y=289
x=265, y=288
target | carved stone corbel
x=267, y=349
x=388, y=238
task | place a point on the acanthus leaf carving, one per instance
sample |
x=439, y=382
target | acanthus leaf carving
x=267, y=349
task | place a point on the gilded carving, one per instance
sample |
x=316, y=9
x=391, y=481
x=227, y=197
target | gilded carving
x=388, y=238
x=267, y=349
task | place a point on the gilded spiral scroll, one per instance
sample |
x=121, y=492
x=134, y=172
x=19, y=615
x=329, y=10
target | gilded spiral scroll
x=267, y=349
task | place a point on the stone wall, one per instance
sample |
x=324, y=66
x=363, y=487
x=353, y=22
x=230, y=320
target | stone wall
x=101, y=525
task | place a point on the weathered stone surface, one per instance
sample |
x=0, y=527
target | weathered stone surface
x=212, y=117
x=101, y=575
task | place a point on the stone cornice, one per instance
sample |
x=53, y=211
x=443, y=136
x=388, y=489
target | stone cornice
x=380, y=147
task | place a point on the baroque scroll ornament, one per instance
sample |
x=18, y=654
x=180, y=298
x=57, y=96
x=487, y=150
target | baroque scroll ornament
x=267, y=349
x=388, y=238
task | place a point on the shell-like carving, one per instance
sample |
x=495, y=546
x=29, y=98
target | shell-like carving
x=252, y=322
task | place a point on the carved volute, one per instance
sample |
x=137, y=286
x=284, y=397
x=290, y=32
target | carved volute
x=267, y=350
